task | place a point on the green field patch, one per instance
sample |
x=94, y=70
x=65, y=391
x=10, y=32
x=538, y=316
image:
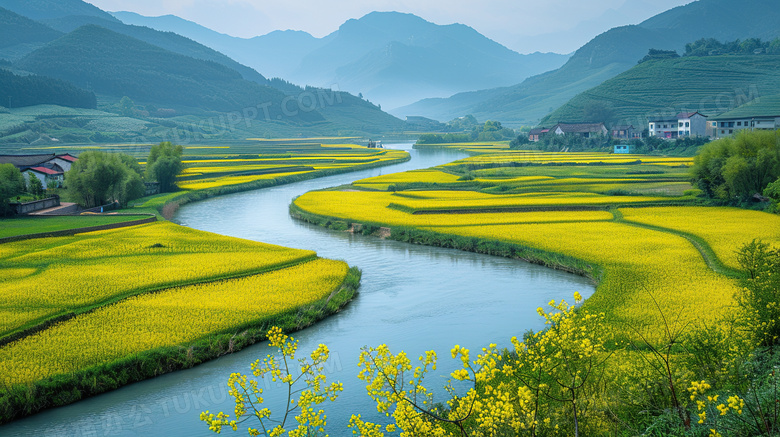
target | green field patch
x=37, y=225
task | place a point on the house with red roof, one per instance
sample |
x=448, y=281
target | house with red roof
x=49, y=177
x=64, y=161
x=536, y=134
x=49, y=168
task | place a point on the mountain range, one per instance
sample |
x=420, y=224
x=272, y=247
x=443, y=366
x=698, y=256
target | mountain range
x=606, y=56
x=66, y=15
x=391, y=58
x=388, y=58
x=91, y=49
x=113, y=64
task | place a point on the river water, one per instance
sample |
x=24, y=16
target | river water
x=413, y=298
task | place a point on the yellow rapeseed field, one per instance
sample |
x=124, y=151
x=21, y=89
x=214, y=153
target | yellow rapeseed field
x=168, y=318
x=429, y=176
x=214, y=172
x=640, y=264
x=203, y=184
x=724, y=229
x=67, y=274
x=537, y=157
x=365, y=206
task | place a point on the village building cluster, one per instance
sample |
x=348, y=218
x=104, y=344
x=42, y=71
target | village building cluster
x=760, y=114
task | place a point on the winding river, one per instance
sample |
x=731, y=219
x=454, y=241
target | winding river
x=412, y=298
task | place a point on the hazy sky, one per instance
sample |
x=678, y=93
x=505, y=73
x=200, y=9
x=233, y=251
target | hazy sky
x=524, y=25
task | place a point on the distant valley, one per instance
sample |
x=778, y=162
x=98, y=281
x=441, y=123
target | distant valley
x=392, y=59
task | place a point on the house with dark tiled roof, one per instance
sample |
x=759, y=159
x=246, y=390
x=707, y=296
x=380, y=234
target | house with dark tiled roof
x=585, y=130
x=691, y=124
x=23, y=162
x=759, y=114
x=625, y=132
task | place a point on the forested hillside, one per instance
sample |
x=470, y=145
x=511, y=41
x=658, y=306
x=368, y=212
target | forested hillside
x=116, y=65
x=19, y=91
x=16, y=29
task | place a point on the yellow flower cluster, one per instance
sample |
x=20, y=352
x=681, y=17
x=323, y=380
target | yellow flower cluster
x=247, y=395
x=505, y=399
x=705, y=403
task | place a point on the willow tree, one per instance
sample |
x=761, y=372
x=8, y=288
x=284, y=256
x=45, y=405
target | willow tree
x=164, y=164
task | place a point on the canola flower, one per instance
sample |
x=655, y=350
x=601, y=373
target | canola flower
x=168, y=318
x=248, y=396
x=502, y=400
x=203, y=174
x=537, y=157
x=551, y=383
x=414, y=176
x=371, y=207
x=709, y=409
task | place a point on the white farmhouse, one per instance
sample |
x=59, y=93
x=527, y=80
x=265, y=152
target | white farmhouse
x=684, y=124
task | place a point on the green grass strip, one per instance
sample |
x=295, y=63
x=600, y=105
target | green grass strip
x=47, y=225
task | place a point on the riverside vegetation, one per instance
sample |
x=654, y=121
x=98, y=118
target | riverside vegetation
x=183, y=296
x=673, y=342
